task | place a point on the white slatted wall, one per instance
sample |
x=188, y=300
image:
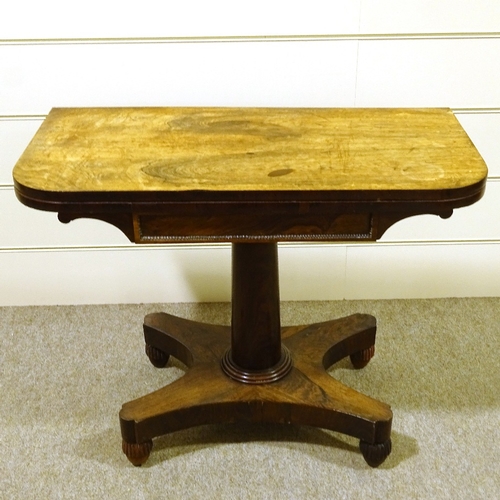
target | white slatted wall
x=443, y=53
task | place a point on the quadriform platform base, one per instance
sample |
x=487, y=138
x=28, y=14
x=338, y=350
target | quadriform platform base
x=253, y=178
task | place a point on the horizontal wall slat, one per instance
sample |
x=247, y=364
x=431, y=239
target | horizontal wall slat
x=439, y=16
x=418, y=271
x=190, y=18
x=177, y=274
x=419, y=73
x=199, y=274
x=35, y=78
x=320, y=73
x=92, y=277
x=52, y=19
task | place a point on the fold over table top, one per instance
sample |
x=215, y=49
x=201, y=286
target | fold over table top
x=103, y=158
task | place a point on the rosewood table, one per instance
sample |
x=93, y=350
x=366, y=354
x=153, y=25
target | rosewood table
x=252, y=177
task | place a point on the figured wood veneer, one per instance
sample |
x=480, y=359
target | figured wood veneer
x=248, y=149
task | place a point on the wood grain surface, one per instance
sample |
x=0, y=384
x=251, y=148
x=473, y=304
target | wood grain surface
x=248, y=149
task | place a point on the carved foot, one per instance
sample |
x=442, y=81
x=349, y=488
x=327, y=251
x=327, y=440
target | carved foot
x=158, y=358
x=375, y=454
x=137, y=453
x=361, y=358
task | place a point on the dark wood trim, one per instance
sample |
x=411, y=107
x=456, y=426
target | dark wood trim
x=158, y=201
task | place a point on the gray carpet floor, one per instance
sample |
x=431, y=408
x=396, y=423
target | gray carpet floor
x=65, y=372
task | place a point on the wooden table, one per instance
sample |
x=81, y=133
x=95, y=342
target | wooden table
x=252, y=177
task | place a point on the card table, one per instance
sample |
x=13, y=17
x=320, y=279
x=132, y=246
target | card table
x=252, y=177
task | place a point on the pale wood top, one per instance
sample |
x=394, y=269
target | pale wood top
x=248, y=149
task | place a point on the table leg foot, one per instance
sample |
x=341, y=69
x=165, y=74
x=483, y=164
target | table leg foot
x=137, y=453
x=361, y=358
x=375, y=454
x=158, y=358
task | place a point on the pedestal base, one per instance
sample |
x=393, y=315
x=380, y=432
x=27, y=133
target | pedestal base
x=306, y=395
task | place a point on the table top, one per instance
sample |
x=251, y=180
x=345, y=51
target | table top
x=248, y=149
x=243, y=174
